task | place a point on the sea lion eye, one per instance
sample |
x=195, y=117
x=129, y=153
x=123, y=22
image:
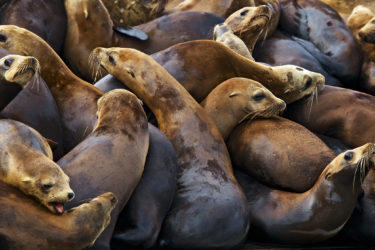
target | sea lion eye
x=47, y=186
x=348, y=156
x=243, y=13
x=3, y=38
x=308, y=84
x=258, y=97
x=111, y=59
x=8, y=63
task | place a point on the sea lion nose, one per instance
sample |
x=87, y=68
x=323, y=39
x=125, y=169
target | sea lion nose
x=266, y=8
x=33, y=60
x=71, y=195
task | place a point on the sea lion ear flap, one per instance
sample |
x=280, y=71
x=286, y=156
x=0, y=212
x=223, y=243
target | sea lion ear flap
x=52, y=143
x=234, y=93
x=132, y=32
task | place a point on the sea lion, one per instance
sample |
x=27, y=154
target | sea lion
x=185, y=62
x=248, y=24
x=140, y=221
x=26, y=163
x=319, y=24
x=279, y=153
x=345, y=7
x=238, y=99
x=317, y=214
x=46, y=18
x=208, y=194
x=112, y=157
x=340, y=113
x=75, y=98
x=90, y=26
x=26, y=225
x=292, y=52
x=127, y=12
x=361, y=23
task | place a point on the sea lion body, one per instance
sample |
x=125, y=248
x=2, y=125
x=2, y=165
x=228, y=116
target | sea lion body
x=184, y=62
x=317, y=214
x=46, y=18
x=329, y=115
x=26, y=163
x=316, y=22
x=87, y=16
x=140, y=222
x=279, y=153
x=292, y=52
x=75, y=98
x=112, y=157
x=25, y=225
x=207, y=194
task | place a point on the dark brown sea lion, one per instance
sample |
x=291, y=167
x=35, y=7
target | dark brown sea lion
x=90, y=26
x=279, y=153
x=112, y=157
x=129, y=12
x=75, y=98
x=26, y=163
x=317, y=214
x=208, y=195
x=46, y=18
x=292, y=52
x=361, y=23
x=319, y=24
x=26, y=225
x=239, y=99
x=140, y=222
x=340, y=113
x=196, y=64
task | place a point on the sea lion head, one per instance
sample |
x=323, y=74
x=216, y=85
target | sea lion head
x=249, y=22
x=367, y=32
x=18, y=69
x=359, y=18
x=351, y=166
x=299, y=82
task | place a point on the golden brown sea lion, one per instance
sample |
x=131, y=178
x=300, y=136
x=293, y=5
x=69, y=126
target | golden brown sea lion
x=112, y=157
x=208, y=195
x=279, y=153
x=238, y=99
x=25, y=225
x=317, y=214
x=129, y=12
x=26, y=163
x=361, y=23
x=185, y=63
x=345, y=7
x=90, y=26
x=341, y=113
x=75, y=98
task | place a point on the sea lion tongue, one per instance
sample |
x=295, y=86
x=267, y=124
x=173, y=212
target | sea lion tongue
x=59, y=207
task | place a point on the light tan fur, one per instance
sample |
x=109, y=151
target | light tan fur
x=18, y=69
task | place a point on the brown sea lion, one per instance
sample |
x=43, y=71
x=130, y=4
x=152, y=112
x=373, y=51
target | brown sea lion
x=75, y=98
x=208, y=194
x=279, y=153
x=319, y=24
x=26, y=225
x=26, y=163
x=46, y=18
x=239, y=99
x=345, y=7
x=317, y=214
x=185, y=62
x=292, y=52
x=361, y=23
x=129, y=12
x=340, y=113
x=140, y=222
x=90, y=26
x=112, y=157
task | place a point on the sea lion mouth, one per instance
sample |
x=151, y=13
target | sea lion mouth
x=57, y=207
x=260, y=16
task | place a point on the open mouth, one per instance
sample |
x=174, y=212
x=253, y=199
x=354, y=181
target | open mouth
x=57, y=207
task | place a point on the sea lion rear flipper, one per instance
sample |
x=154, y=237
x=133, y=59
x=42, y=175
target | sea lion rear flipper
x=132, y=32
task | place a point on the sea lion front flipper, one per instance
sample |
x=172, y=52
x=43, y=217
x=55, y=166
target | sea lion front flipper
x=132, y=32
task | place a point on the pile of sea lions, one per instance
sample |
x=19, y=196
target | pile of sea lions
x=209, y=124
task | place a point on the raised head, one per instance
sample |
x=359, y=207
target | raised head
x=18, y=69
